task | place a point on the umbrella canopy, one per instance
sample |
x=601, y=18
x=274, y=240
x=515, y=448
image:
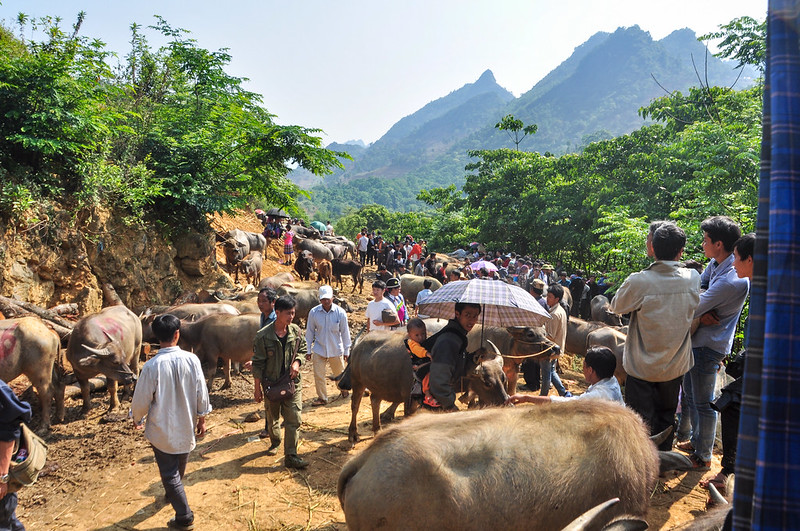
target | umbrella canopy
x=501, y=304
x=320, y=226
x=277, y=213
x=483, y=264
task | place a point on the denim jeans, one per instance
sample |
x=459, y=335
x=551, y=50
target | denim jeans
x=172, y=467
x=698, y=386
x=548, y=371
x=684, y=422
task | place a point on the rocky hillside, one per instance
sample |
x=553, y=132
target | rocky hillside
x=66, y=258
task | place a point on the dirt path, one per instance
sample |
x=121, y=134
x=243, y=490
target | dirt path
x=102, y=475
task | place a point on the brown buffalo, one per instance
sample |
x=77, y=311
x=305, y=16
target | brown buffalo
x=108, y=342
x=276, y=281
x=29, y=347
x=411, y=285
x=325, y=272
x=225, y=336
x=380, y=361
x=584, y=334
x=184, y=312
x=501, y=469
x=251, y=268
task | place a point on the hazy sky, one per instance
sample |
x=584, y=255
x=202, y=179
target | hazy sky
x=355, y=67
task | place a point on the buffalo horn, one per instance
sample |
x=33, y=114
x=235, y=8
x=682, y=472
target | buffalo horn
x=592, y=518
x=716, y=497
x=479, y=355
x=659, y=438
x=100, y=352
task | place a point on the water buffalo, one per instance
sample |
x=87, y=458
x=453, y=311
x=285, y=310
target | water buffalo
x=584, y=334
x=411, y=285
x=516, y=344
x=237, y=244
x=108, y=342
x=306, y=232
x=225, y=336
x=325, y=272
x=276, y=281
x=304, y=265
x=339, y=251
x=380, y=361
x=351, y=268
x=601, y=311
x=307, y=299
x=184, y=312
x=318, y=250
x=501, y=469
x=251, y=268
x=29, y=347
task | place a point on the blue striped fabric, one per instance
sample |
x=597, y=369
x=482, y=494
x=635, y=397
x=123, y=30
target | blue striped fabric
x=767, y=492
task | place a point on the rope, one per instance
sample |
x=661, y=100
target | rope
x=530, y=355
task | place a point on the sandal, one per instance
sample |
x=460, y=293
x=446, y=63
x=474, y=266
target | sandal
x=319, y=402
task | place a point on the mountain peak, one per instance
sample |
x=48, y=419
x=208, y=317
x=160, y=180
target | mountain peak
x=486, y=77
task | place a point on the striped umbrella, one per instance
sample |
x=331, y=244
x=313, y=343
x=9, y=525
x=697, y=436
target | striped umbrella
x=501, y=304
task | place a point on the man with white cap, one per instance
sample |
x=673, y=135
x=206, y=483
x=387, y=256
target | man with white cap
x=328, y=338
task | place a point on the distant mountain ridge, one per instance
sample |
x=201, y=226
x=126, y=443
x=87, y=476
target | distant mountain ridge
x=595, y=93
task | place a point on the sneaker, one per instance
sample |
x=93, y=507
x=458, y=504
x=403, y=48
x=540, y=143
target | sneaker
x=699, y=464
x=685, y=446
x=273, y=448
x=567, y=394
x=173, y=524
x=295, y=461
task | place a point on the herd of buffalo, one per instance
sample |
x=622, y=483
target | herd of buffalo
x=527, y=467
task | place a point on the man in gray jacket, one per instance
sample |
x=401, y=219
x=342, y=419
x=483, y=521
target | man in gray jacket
x=658, y=349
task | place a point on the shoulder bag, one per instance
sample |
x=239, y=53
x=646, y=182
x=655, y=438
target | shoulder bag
x=28, y=459
x=284, y=387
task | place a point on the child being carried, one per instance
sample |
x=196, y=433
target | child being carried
x=417, y=333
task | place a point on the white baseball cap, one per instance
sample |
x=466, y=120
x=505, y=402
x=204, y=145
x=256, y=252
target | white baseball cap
x=325, y=292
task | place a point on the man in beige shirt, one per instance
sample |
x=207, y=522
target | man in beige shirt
x=556, y=331
x=658, y=349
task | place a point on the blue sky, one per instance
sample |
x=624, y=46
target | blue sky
x=354, y=68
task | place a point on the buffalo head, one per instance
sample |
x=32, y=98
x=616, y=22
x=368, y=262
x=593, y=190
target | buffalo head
x=487, y=379
x=108, y=359
x=530, y=341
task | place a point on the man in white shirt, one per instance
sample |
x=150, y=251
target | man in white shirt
x=376, y=308
x=599, y=365
x=328, y=339
x=171, y=393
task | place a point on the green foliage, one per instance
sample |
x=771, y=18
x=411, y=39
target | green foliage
x=591, y=209
x=515, y=129
x=169, y=135
x=743, y=39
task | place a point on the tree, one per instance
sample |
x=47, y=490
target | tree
x=743, y=39
x=514, y=127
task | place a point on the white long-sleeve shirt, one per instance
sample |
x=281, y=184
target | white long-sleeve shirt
x=327, y=333
x=171, y=393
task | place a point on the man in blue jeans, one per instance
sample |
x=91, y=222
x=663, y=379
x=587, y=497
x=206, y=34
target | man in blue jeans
x=719, y=309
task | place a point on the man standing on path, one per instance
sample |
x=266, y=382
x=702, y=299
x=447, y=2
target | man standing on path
x=171, y=393
x=556, y=331
x=658, y=349
x=280, y=348
x=328, y=339
x=719, y=309
x=379, y=308
x=363, y=245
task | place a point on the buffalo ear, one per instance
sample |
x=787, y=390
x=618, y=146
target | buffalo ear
x=89, y=361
